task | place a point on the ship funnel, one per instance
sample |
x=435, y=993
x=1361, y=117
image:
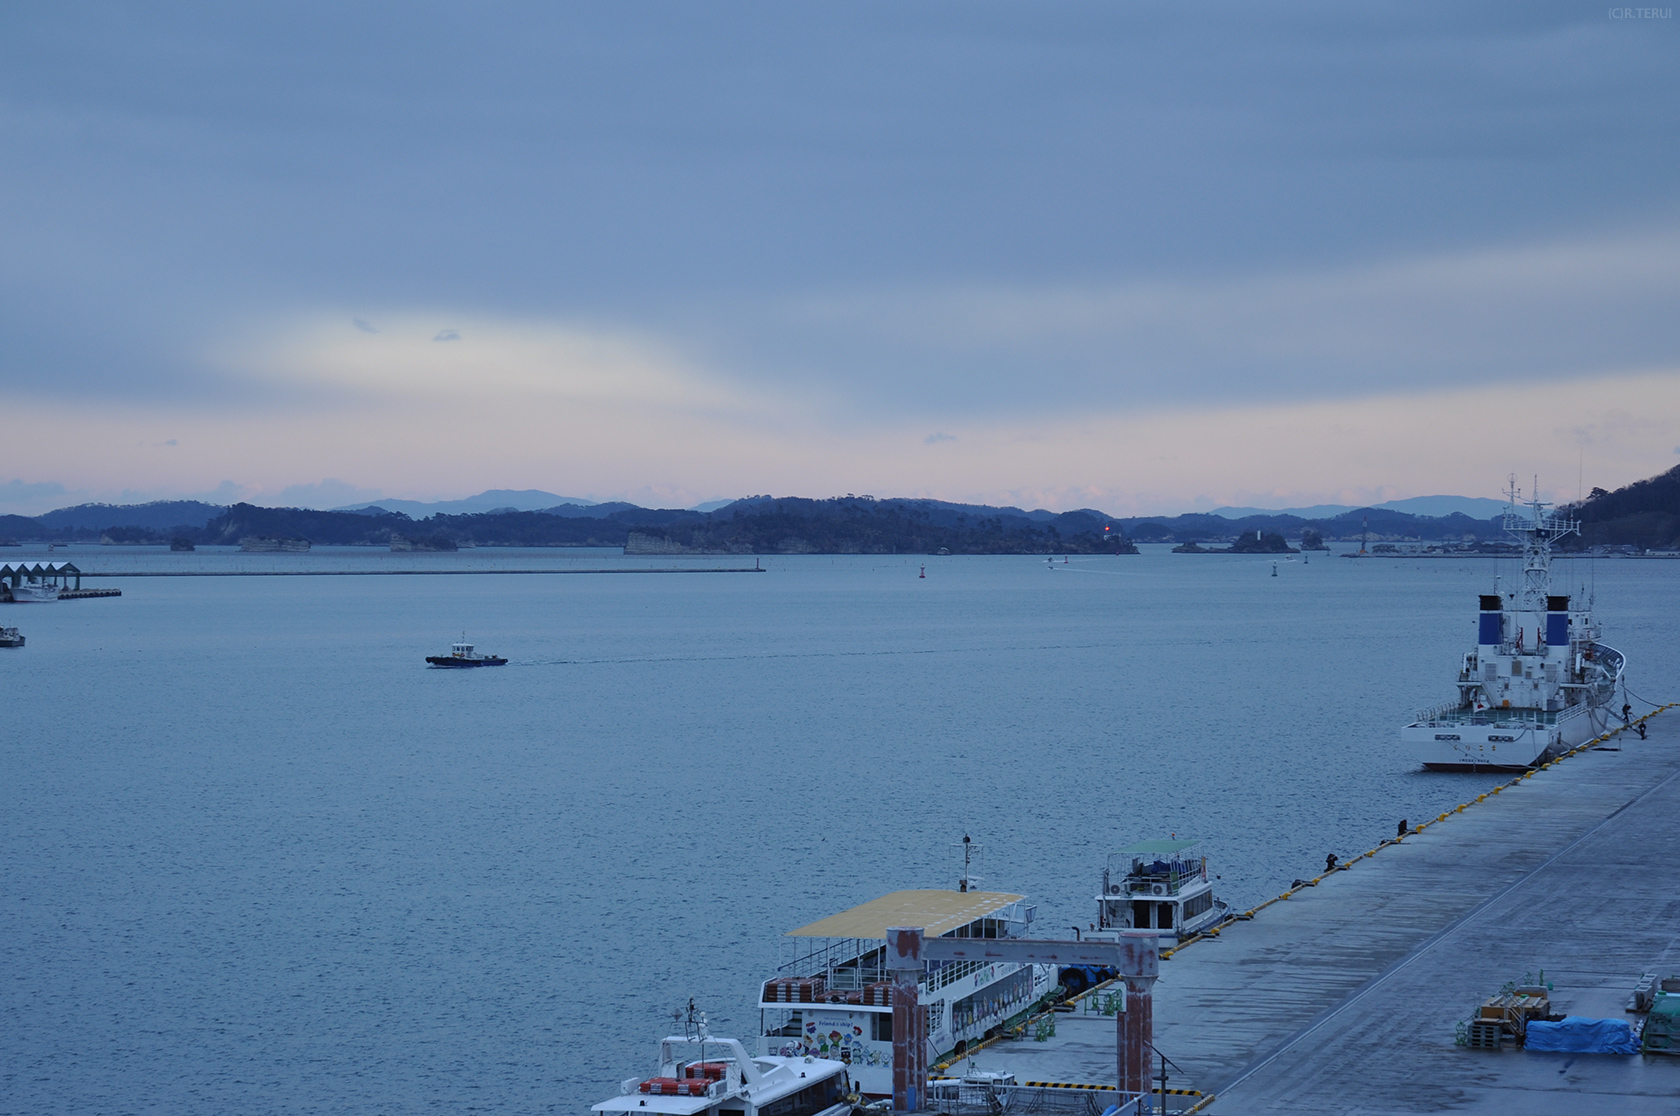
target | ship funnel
x=1493, y=617
x=1557, y=621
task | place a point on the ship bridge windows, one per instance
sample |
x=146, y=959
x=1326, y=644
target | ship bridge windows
x=983, y=928
x=1198, y=904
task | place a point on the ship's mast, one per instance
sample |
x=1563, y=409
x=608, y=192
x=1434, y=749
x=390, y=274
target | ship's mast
x=969, y=848
x=1537, y=528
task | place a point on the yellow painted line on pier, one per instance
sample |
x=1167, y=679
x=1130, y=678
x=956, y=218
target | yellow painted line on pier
x=1083, y=1085
x=1213, y=931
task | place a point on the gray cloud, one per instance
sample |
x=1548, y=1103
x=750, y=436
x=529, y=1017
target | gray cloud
x=18, y=497
x=1077, y=201
x=447, y=335
x=935, y=438
x=363, y=326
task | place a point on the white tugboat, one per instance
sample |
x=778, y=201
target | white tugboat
x=699, y=1075
x=1161, y=886
x=835, y=999
x=1538, y=683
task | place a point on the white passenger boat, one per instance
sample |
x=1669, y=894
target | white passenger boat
x=1161, y=886
x=35, y=592
x=699, y=1075
x=834, y=1000
x=1538, y=682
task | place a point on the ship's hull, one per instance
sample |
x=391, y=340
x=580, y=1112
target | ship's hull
x=452, y=661
x=1469, y=747
x=34, y=594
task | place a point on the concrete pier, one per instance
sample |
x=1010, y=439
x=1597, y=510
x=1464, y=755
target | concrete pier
x=1345, y=996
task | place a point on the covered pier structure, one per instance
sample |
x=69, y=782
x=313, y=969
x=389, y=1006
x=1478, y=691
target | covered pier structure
x=15, y=574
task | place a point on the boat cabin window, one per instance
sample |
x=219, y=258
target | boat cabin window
x=808, y=1101
x=880, y=1026
x=1165, y=916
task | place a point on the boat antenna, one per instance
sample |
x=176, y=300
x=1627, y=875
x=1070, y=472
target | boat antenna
x=969, y=848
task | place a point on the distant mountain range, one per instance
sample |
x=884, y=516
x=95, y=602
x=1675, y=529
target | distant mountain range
x=1645, y=514
x=1475, y=507
x=496, y=499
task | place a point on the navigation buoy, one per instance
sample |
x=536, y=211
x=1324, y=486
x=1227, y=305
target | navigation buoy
x=924, y=570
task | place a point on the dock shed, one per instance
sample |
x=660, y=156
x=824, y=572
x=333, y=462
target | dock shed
x=48, y=573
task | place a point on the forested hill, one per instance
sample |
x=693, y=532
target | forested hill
x=1645, y=514
x=756, y=525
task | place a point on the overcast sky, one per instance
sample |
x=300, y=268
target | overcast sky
x=1142, y=257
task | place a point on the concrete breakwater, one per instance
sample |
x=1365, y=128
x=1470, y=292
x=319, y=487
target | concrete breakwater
x=1344, y=994
x=425, y=573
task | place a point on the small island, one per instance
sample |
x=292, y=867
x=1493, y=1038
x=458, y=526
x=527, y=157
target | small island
x=1260, y=542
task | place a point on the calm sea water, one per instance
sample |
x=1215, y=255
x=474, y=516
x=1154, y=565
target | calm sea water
x=254, y=857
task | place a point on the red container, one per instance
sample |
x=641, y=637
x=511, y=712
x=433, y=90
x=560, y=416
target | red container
x=711, y=1071
x=662, y=1086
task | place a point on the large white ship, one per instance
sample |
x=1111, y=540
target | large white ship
x=834, y=1000
x=1538, y=682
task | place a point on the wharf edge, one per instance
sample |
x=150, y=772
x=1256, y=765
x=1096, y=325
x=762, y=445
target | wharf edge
x=1325, y=975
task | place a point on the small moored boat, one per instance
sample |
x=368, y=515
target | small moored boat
x=462, y=655
x=1161, y=886
x=10, y=637
x=699, y=1075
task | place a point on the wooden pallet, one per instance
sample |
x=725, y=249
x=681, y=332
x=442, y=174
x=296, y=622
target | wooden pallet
x=1486, y=1034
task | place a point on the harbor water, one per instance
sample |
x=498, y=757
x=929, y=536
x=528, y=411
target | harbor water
x=256, y=857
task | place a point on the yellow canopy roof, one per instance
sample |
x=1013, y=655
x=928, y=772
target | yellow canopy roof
x=935, y=911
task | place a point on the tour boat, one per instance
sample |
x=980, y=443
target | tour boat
x=1538, y=682
x=1161, y=886
x=834, y=1000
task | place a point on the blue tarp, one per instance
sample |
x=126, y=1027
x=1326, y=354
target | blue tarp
x=1577, y=1034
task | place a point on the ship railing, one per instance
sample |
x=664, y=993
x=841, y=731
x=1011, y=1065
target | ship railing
x=947, y=974
x=854, y=978
x=1144, y=883
x=1437, y=712
x=975, y=1096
